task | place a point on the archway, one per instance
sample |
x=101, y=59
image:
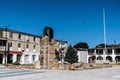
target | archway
x=18, y=57
x=109, y=58
x=26, y=59
x=48, y=31
x=1, y=58
x=99, y=58
x=117, y=58
x=10, y=58
x=91, y=59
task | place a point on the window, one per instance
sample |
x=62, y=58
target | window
x=34, y=38
x=10, y=44
x=99, y=50
x=10, y=35
x=27, y=46
x=33, y=56
x=19, y=36
x=34, y=46
x=26, y=59
x=28, y=40
x=1, y=33
x=118, y=50
x=1, y=43
x=90, y=50
x=19, y=45
x=109, y=50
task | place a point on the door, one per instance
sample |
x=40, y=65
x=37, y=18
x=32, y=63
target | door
x=1, y=58
x=9, y=58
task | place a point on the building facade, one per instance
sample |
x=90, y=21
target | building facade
x=82, y=55
x=18, y=46
x=61, y=48
x=98, y=55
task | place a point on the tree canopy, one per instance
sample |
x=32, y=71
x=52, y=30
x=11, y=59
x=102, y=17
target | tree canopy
x=71, y=55
x=81, y=45
x=102, y=45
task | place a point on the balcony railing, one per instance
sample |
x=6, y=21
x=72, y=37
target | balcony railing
x=90, y=53
x=117, y=53
x=108, y=53
x=2, y=48
x=99, y=53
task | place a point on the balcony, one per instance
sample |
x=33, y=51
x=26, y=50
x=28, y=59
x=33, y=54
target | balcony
x=99, y=53
x=118, y=53
x=2, y=48
x=108, y=53
x=90, y=53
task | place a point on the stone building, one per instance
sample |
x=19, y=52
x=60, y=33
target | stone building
x=25, y=48
x=18, y=46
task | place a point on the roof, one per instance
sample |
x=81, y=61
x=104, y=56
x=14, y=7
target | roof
x=14, y=31
x=62, y=41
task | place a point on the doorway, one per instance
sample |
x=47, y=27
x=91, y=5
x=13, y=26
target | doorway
x=10, y=58
x=18, y=57
x=1, y=58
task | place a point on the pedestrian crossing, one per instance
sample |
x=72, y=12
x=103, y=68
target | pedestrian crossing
x=4, y=72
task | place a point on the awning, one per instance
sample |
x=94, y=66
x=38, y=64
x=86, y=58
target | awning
x=15, y=52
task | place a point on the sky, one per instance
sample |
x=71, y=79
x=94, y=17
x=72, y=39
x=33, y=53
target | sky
x=72, y=20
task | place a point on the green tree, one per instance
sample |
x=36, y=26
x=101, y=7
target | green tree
x=81, y=45
x=102, y=45
x=57, y=55
x=71, y=55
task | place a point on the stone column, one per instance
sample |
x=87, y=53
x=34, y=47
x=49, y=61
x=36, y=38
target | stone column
x=113, y=55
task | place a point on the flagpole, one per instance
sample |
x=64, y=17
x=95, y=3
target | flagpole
x=104, y=35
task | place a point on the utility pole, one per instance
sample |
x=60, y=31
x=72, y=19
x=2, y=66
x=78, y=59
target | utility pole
x=6, y=47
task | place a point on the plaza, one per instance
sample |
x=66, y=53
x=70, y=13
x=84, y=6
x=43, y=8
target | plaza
x=96, y=74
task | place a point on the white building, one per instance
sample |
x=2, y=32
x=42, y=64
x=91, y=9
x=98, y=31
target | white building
x=62, y=48
x=112, y=54
x=82, y=55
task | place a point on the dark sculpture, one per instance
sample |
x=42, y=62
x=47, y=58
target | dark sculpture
x=48, y=31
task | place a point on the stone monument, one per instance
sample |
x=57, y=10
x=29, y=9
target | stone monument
x=47, y=55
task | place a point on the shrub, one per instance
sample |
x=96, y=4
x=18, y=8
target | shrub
x=16, y=63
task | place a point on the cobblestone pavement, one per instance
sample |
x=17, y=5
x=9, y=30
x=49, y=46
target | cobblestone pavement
x=94, y=74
